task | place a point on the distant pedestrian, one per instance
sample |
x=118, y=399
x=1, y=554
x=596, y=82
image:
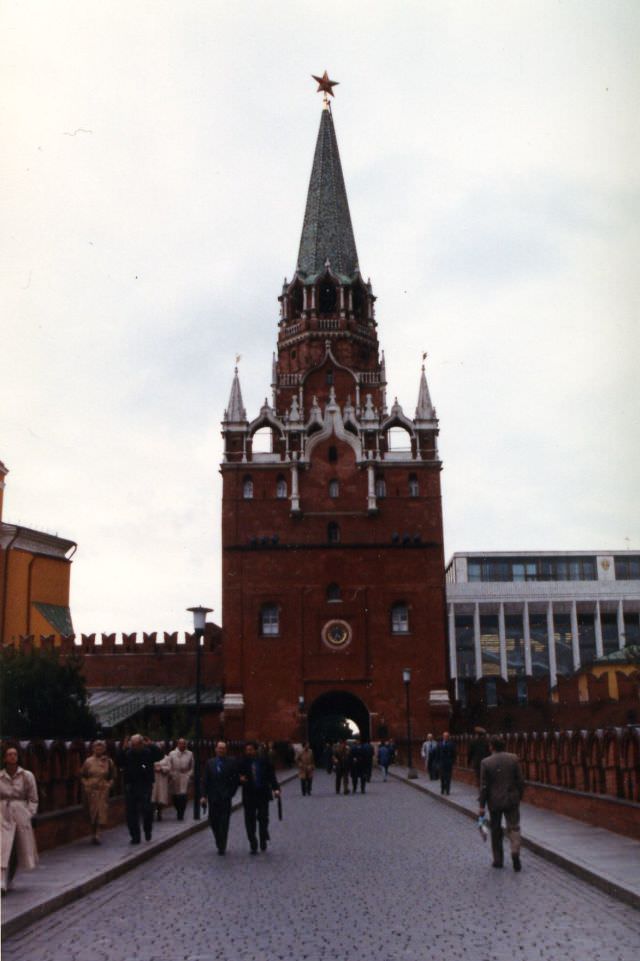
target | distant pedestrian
x=259, y=786
x=220, y=784
x=384, y=759
x=340, y=763
x=478, y=750
x=428, y=754
x=160, y=790
x=357, y=767
x=180, y=774
x=501, y=789
x=367, y=754
x=136, y=762
x=306, y=768
x=18, y=804
x=97, y=775
x=445, y=756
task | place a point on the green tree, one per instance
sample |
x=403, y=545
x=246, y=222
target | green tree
x=44, y=695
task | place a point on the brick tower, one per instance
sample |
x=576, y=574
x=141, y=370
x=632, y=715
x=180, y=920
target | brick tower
x=333, y=564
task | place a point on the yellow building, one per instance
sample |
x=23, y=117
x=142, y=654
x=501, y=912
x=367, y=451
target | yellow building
x=35, y=573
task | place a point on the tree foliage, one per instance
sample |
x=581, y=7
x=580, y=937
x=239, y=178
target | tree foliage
x=43, y=695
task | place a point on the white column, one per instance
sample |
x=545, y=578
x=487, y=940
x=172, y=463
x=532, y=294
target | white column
x=528, y=668
x=575, y=640
x=313, y=298
x=621, y=629
x=503, y=642
x=295, y=494
x=597, y=623
x=371, y=491
x=453, y=660
x=551, y=641
x=476, y=640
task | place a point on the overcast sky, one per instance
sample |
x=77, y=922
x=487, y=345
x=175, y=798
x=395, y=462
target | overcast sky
x=154, y=173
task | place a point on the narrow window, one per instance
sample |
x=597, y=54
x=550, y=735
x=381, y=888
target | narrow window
x=269, y=620
x=414, y=488
x=333, y=592
x=381, y=487
x=247, y=488
x=281, y=488
x=334, y=488
x=400, y=618
x=333, y=455
x=330, y=378
x=333, y=533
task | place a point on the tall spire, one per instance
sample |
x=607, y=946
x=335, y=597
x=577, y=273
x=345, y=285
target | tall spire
x=424, y=408
x=327, y=234
x=235, y=412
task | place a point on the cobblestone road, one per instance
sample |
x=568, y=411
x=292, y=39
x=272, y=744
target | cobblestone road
x=389, y=876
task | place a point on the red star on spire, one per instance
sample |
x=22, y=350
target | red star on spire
x=324, y=84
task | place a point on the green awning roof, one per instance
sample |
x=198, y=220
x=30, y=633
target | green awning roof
x=115, y=704
x=59, y=617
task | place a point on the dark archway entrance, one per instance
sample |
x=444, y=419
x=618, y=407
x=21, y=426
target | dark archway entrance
x=328, y=716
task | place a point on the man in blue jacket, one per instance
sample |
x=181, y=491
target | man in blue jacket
x=259, y=785
x=220, y=784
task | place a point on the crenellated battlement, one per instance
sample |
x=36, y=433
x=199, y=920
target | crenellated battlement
x=154, y=642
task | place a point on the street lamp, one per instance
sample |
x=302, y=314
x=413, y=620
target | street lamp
x=199, y=620
x=406, y=677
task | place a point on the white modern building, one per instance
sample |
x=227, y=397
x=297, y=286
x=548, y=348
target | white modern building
x=518, y=614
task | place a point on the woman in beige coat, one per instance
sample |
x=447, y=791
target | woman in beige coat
x=97, y=773
x=306, y=767
x=181, y=760
x=18, y=804
x=160, y=789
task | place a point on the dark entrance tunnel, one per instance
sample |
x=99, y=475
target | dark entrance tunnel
x=328, y=716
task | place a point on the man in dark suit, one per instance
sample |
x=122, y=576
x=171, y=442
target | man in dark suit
x=136, y=764
x=445, y=759
x=501, y=789
x=220, y=784
x=258, y=779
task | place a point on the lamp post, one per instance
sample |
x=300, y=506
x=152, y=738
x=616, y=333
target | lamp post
x=199, y=620
x=301, y=706
x=406, y=677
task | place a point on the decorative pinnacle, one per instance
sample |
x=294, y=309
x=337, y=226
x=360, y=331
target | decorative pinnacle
x=325, y=85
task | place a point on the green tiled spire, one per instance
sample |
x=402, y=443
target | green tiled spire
x=327, y=233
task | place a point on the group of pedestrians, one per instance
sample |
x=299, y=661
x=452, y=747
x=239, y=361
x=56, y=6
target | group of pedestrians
x=352, y=762
x=439, y=757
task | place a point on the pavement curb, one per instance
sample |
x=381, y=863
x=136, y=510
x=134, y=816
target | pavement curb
x=610, y=887
x=77, y=891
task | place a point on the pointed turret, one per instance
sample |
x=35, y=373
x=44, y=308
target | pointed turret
x=327, y=234
x=424, y=408
x=235, y=412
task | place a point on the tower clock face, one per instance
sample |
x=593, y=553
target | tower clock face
x=336, y=634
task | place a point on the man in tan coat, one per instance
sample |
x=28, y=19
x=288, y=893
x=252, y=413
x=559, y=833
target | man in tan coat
x=501, y=789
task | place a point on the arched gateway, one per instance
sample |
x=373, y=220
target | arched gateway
x=328, y=713
x=332, y=543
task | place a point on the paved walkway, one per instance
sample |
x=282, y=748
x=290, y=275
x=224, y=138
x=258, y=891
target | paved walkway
x=604, y=859
x=609, y=861
x=392, y=875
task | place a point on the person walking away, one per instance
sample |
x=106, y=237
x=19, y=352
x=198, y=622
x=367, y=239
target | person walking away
x=357, y=767
x=306, y=769
x=501, y=789
x=136, y=763
x=340, y=761
x=367, y=755
x=259, y=785
x=219, y=786
x=18, y=804
x=97, y=775
x=384, y=759
x=478, y=750
x=446, y=756
x=181, y=761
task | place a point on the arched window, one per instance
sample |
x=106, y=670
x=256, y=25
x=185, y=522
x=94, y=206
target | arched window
x=281, y=488
x=247, y=488
x=333, y=533
x=414, y=487
x=333, y=592
x=269, y=620
x=381, y=487
x=334, y=488
x=333, y=455
x=328, y=297
x=400, y=618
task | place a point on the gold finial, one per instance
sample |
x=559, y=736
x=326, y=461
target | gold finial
x=325, y=85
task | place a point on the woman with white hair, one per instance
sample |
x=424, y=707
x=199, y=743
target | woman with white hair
x=97, y=774
x=18, y=804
